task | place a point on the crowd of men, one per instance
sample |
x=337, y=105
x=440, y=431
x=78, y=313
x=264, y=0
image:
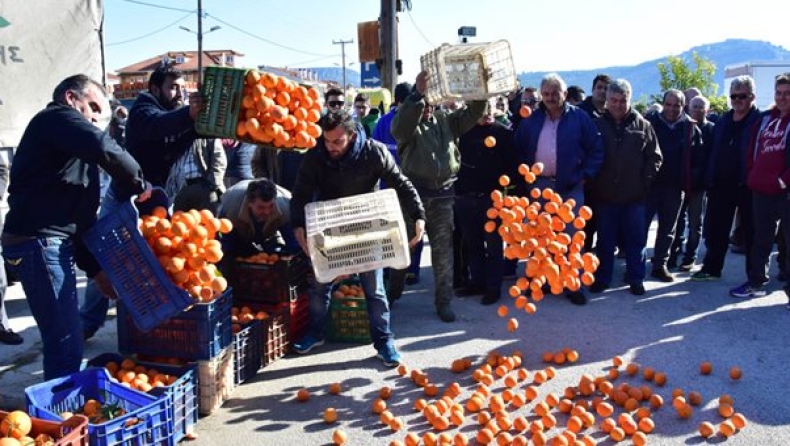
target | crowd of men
x=673, y=164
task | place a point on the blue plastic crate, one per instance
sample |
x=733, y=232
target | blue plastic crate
x=134, y=271
x=155, y=427
x=199, y=333
x=183, y=392
x=247, y=351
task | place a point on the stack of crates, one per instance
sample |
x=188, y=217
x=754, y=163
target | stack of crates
x=202, y=334
x=274, y=339
x=247, y=350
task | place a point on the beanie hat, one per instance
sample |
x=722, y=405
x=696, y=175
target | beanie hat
x=402, y=91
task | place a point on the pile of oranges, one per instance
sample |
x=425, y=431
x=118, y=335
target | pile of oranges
x=186, y=247
x=262, y=258
x=244, y=315
x=534, y=229
x=279, y=112
x=138, y=377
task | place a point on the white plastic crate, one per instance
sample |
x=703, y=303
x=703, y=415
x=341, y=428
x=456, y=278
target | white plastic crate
x=356, y=234
x=469, y=71
x=215, y=381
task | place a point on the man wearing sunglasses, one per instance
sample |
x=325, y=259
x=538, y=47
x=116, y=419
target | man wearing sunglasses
x=334, y=100
x=725, y=179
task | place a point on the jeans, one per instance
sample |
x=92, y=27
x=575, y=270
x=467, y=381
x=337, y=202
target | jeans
x=483, y=249
x=94, y=307
x=665, y=202
x=628, y=220
x=375, y=301
x=691, y=212
x=45, y=267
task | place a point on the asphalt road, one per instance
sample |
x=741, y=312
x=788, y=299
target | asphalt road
x=673, y=328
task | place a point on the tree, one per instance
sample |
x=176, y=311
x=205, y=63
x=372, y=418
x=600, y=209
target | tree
x=676, y=73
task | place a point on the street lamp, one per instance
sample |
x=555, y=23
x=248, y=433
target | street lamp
x=200, y=38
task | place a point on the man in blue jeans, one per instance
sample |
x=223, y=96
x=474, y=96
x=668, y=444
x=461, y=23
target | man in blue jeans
x=345, y=163
x=59, y=158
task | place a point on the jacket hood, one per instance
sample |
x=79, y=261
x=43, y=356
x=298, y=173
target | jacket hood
x=353, y=152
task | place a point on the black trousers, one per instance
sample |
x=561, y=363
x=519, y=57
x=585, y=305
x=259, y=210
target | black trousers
x=719, y=216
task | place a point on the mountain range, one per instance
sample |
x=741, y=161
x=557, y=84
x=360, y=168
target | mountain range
x=644, y=77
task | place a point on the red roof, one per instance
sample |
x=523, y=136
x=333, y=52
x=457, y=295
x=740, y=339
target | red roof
x=210, y=58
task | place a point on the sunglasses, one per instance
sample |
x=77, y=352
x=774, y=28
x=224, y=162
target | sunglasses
x=336, y=103
x=741, y=96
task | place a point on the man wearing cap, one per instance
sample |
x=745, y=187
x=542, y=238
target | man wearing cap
x=428, y=150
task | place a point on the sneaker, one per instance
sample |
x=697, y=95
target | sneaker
x=748, y=290
x=598, y=287
x=306, y=344
x=637, y=289
x=389, y=356
x=576, y=297
x=702, y=276
x=662, y=274
x=9, y=337
x=491, y=297
x=686, y=266
x=445, y=313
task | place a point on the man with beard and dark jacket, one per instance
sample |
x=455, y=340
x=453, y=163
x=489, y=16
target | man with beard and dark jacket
x=725, y=179
x=481, y=167
x=684, y=161
x=346, y=163
x=632, y=159
x=158, y=132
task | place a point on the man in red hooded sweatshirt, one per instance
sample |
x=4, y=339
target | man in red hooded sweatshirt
x=768, y=177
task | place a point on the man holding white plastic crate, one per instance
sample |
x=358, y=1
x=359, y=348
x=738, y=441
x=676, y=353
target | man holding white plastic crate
x=345, y=163
x=428, y=149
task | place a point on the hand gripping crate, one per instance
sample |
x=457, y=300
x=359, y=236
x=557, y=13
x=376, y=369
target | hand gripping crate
x=182, y=392
x=133, y=269
x=71, y=432
x=147, y=420
x=356, y=234
x=470, y=71
x=222, y=93
x=199, y=333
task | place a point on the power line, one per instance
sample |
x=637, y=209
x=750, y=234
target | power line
x=137, y=2
x=264, y=39
x=134, y=39
x=408, y=11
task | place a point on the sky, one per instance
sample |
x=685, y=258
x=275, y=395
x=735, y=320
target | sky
x=547, y=36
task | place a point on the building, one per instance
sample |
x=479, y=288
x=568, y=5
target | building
x=133, y=79
x=763, y=73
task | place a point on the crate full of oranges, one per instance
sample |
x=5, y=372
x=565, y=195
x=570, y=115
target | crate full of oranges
x=259, y=107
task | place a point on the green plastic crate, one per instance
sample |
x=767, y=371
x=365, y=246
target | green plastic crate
x=348, y=320
x=222, y=92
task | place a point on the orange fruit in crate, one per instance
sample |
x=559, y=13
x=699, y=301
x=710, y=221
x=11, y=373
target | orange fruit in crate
x=16, y=424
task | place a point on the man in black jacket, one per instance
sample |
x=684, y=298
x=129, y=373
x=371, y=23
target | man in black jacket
x=345, y=163
x=58, y=161
x=631, y=162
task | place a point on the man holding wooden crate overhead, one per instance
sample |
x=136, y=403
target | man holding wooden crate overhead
x=346, y=163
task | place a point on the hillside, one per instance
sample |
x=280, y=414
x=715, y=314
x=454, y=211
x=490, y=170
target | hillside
x=644, y=78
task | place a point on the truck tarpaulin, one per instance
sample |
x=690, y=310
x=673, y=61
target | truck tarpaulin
x=41, y=43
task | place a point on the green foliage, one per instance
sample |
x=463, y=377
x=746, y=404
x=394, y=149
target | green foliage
x=676, y=73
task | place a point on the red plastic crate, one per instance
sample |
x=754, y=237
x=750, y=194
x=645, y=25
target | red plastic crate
x=71, y=432
x=299, y=319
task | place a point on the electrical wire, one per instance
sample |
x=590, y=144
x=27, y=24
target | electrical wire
x=137, y=2
x=418, y=28
x=134, y=39
x=229, y=25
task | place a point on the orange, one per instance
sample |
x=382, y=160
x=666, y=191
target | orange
x=378, y=406
x=302, y=395
x=735, y=373
x=334, y=388
x=512, y=325
x=738, y=420
x=330, y=415
x=727, y=428
x=339, y=437
x=706, y=429
x=706, y=368
x=489, y=142
x=525, y=111
x=16, y=424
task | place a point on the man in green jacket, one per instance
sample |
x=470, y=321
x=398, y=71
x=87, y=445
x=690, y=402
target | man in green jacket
x=428, y=149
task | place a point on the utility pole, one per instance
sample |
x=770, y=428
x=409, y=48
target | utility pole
x=343, y=44
x=389, y=44
x=200, y=42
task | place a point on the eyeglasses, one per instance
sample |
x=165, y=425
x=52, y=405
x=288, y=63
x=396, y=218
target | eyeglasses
x=740, y=96
x=336, y=103
x=529, y=101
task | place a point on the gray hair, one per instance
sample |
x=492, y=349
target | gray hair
x=702, y=99
x=675, y=92
x=743, y=81
x=79, y=84
x=619, y=86
x=555, y=80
